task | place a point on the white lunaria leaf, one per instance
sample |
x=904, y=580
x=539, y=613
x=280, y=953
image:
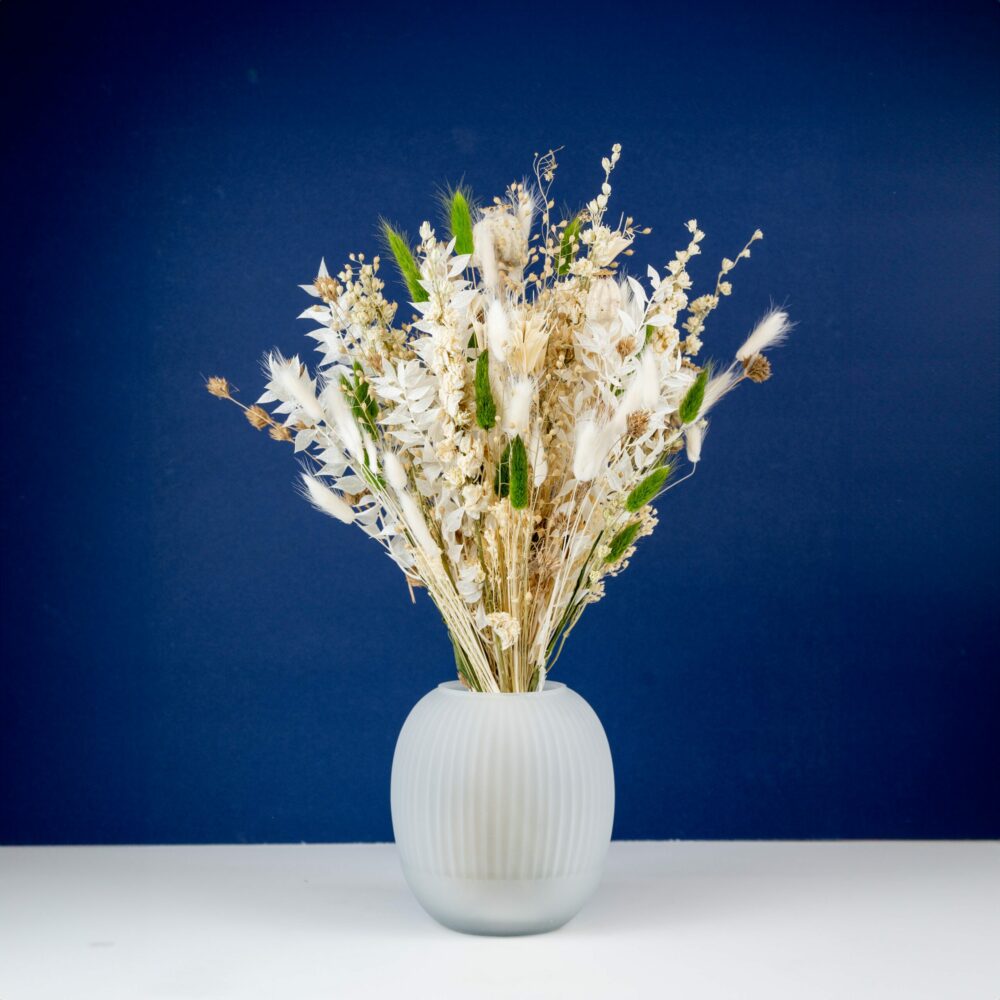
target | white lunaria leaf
x=658, y=320
x=637, y=290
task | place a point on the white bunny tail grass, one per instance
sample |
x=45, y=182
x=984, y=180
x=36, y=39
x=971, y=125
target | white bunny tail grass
x=517, y=407
x=769, y=332
x=717, y=387
x=694, y=437
x=497, y=331
x=394, y=472
x=590, y=450
x=291, y=385
x=325, y=499
x=417, y=526
x=344, y=422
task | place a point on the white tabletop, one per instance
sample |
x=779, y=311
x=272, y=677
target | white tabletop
x=687, y=920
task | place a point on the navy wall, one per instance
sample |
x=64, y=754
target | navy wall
x=808, y=645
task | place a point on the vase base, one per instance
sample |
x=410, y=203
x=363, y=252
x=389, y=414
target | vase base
x=502, y=907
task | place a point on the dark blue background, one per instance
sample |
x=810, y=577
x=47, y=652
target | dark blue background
x=808, y=645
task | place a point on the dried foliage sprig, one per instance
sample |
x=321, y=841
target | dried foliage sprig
x=506, y=444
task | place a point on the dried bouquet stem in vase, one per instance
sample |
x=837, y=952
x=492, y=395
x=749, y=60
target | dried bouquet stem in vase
x=504, y=438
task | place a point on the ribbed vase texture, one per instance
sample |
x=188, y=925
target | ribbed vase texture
x=502, y=806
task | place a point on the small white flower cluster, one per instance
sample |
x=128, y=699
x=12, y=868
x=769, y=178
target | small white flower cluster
x=505, y=444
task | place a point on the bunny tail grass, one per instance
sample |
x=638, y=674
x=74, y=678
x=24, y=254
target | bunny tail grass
x=691, y=404
x=399, y=247
x=460, y=219
x=647, y=489
x=486, y=408
x=518, y=474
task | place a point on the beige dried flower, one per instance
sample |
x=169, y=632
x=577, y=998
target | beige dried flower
x=280, y=433
x=757, y=368
x=625, y=346
x=218, y=387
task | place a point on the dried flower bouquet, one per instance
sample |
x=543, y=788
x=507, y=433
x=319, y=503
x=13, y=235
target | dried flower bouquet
x=505, y=444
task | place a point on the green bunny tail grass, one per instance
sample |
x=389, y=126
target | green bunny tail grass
x=647, y=489
x=518, y=474
x=622, y=541
x=399, y=247
x=501, y=478
x=569, y=245
x=460, y=217
x=486, y=408
x=695, y=396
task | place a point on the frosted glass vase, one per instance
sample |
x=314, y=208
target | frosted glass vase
x=502, y=807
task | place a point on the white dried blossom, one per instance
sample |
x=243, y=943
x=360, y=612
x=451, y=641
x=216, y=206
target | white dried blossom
x=604, y=299
x=506, y=628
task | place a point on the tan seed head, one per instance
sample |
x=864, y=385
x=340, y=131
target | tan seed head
x=637, y=423
x=757, y=368
x=327, y=288
x=257, y=416
x=218, y=387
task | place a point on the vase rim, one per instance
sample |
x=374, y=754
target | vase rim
x=456, y=687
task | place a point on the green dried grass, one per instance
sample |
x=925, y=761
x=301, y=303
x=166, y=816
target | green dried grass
x=647, y=489
x=518, y=474
x=460, y=218
x=501, y=478
x=693, y=398
x=622, y=541
x=399, y=247
x=486, y=408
